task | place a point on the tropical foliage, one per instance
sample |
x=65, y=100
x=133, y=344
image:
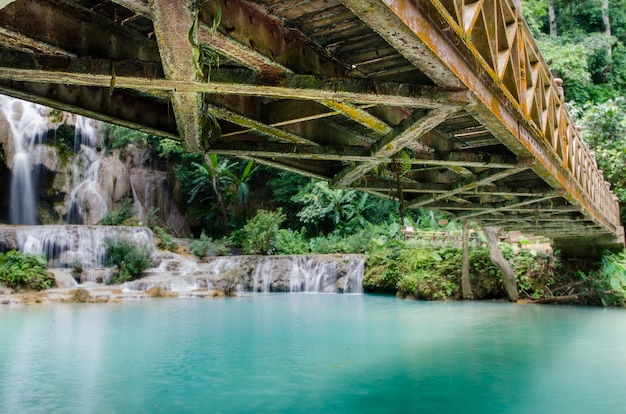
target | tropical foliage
x=121, y=216
x=261, y=232
x=24, y=271
x=129, y=259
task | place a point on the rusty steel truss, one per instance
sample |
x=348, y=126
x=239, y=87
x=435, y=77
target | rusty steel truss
x=445, y=104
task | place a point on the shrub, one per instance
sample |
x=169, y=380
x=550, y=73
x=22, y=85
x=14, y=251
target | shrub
x=120, y=216
x=24, y=271
x=206, y=246
x=607, y=286
x=164, y=240
x=261, y=232
x=231, y=280
x=382, y=273
x=291, y=242
x=425, y=284
x=129, y=258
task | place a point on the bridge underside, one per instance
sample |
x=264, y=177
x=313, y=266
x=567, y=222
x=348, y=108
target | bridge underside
x=373, y=95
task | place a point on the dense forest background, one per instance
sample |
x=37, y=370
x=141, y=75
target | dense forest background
x=584, y=42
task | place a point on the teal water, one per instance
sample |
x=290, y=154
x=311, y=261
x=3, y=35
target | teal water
x=304, y=353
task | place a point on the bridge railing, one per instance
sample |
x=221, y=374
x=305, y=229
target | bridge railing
x=498, y=37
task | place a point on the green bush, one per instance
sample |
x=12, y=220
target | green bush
x=291, y=242
x=24, y=271
x=425, y=284
x=206, y=246
x=607, y=286
x=121, y=216
x=164, y=240
x=129, y=258
x=382, y=270
x=261, y=232
x=433, y=272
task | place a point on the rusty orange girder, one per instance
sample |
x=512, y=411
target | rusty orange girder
x=488, y=46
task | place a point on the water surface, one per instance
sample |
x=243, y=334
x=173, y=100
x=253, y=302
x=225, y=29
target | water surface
x=311, y=353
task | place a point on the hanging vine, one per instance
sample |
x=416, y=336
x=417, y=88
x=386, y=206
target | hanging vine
x=204, y=57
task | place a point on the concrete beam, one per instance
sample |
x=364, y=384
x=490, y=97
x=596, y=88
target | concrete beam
x=125, y=108
x=482, y=179
x=76, y=31
x=172, y=21
x=404, y=135
x=223, y=81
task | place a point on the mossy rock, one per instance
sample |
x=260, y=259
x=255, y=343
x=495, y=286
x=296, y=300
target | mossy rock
x=80, y=295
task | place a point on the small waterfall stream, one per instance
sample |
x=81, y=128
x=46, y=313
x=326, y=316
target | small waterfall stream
x=262, y=274
x=27, y=124
x=66, y=245
x=85, y=198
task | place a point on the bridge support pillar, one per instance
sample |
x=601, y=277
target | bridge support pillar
x=589, y=246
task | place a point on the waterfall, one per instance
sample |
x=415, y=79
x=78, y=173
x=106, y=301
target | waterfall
x=27, y=124
x=86, y=203
x=311, y=274
x=263, y=271
x=295, y=274
x=66, y=245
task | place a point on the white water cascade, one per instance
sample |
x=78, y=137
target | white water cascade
x=66, y=245
x=27, y=124
x=263, y=274
x=85, y=200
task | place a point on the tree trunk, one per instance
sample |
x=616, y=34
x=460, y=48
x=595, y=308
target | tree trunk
x=552, y=15
x=399, y=190
x=607, y=24
x=466, y=287
x=558, y=299
x=218, y=195
x=510, y=284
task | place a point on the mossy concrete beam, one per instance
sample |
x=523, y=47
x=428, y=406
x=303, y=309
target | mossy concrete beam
x=256, y=126
x=467, y=185
x=402, y=136
x=74, y=31
x=314, y=121
x=172, y=21
x=353, y=154
x=126, y=108
x=358, y=115
x=225, y=81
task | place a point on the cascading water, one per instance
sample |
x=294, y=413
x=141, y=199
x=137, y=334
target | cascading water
x=311, y=274
x=85, y=200
x=67, y=245
x=306, y=273
x=27, y=124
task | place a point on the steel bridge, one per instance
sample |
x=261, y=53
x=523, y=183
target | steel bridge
x=445, y=104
